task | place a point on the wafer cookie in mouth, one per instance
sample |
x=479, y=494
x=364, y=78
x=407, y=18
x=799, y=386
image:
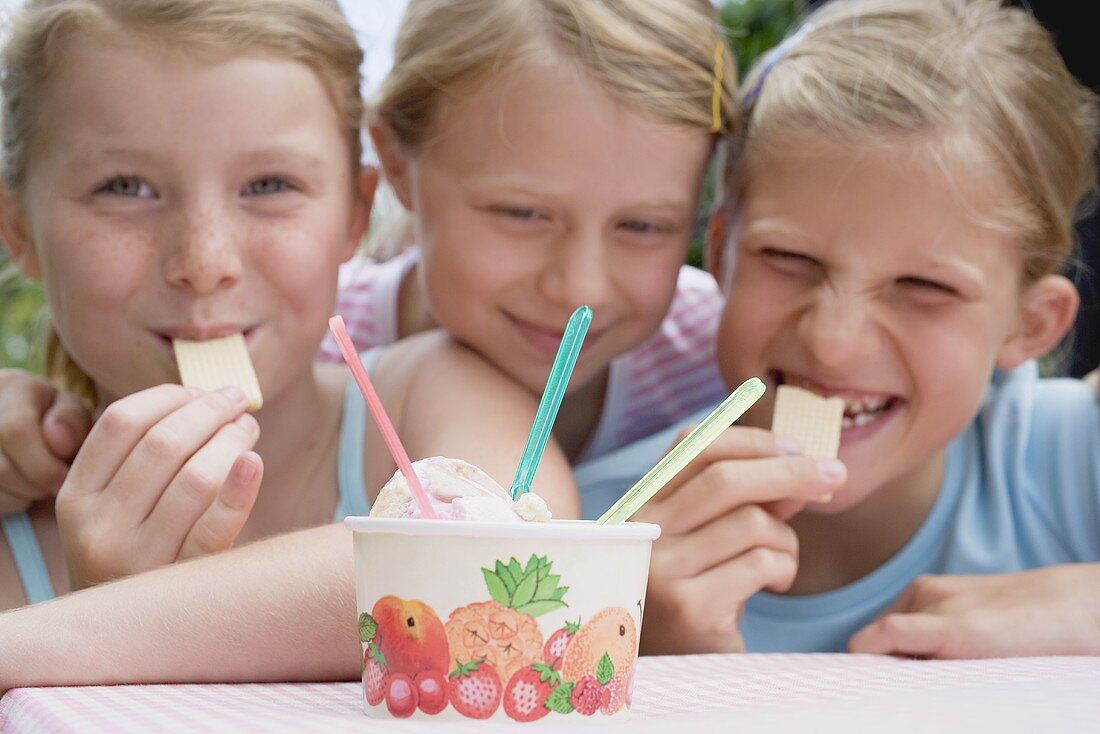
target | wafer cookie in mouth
x=216, y=363
x=812, y=420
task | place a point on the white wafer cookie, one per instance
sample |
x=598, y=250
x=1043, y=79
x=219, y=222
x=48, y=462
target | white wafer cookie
x=810, y=419
x=217, y=363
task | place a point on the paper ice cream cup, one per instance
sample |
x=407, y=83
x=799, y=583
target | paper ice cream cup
x=504, y=621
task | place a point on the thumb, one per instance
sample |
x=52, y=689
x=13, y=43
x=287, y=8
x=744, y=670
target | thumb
x=66, y=425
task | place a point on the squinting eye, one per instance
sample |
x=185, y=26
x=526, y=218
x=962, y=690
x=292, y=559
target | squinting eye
x=787, y=259
x=269, y=185
x=637, y=225
x=928, y=285
x=126, y=186
x=515, y=212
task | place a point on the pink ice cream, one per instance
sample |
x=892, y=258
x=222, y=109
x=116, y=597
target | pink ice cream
x=457, y=491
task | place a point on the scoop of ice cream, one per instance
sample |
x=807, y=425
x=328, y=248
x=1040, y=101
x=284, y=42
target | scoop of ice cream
x=458, y=491
x=531, y=508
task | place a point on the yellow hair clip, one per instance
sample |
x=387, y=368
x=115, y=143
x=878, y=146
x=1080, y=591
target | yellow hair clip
x=716, y=95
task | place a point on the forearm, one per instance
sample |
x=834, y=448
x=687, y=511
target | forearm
x=279, y=609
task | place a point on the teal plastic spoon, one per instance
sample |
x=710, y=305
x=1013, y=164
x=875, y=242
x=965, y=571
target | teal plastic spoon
x=552, y=395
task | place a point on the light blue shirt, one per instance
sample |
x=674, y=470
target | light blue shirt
x=1021, y=490
x=352, y=500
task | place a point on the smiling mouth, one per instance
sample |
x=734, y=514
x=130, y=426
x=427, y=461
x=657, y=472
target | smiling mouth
x=860, y=408
x=545, y=340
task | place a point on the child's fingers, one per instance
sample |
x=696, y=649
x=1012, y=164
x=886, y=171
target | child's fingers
x=197, y=485
x=66, y=426
x=735, y=443
x=27, y=466
x=16, y=493
x=724, y=539
x=728, y=586
x=920, y=635
x=162, y=452
x=220, y=525
x=725, y=485
x=123, y=424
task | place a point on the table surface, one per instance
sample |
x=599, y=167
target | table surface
x=772, y=693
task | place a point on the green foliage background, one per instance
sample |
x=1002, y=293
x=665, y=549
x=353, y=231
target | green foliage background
x=754, y=26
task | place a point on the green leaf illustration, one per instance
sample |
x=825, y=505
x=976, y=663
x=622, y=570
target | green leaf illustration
x=515, y=569
x=530, y=589
x=532, y=565
x=506, y=576
x=498, y=589
x=547, y=586
x=605, y=670
x=537, y=608
x=525, y=592
x=375, y=654
x=558, y=700
x=368, y=628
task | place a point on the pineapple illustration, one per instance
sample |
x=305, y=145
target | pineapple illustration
x=504, y=630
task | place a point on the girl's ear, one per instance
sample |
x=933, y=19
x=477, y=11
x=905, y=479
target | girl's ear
x=366, y=186
x=1047, y=310
x=395, y=161
x=14, y=232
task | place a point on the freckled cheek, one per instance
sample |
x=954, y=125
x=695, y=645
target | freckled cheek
x=93, y=273
x=299, y=265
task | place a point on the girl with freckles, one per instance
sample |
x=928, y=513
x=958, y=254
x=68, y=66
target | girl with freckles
x=190, y=169
x=551, y=154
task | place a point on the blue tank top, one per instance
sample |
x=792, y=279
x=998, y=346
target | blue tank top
x=27, y=553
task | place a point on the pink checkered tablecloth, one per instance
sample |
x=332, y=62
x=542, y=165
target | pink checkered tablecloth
x=744, y=693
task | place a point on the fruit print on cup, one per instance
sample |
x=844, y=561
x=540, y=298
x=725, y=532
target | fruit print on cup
x=504, y=630
x=491, y=655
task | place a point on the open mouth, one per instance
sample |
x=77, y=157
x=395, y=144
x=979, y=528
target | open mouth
x=201, y=332
x=860, y=408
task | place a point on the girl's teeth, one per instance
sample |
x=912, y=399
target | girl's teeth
x=859, y=419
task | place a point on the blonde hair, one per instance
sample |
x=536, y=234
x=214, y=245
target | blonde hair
x=947, y=72
x=657, y=56
x=313, y=32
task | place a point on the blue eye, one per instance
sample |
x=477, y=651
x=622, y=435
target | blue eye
x=130, y=186
x=269, y=185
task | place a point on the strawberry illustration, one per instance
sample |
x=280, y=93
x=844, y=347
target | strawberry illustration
x=401, y=695
x=554, y=650
x=528, y=690
x=374, y=662
x=374, y=672
x=474, y=689
x=432, y=688
x=589, y=696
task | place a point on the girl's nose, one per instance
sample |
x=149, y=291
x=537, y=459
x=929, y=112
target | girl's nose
x=577, y=272
x=838, y=328
x=202, y=252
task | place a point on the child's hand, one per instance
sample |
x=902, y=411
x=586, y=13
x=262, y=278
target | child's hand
x=166, y=474
x=41, y=429
x=724, y=537
x=1049, y=611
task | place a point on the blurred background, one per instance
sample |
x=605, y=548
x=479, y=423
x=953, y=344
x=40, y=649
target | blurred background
x=754, y=26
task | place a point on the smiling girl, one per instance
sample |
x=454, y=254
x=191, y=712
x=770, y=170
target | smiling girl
x=190, y=170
